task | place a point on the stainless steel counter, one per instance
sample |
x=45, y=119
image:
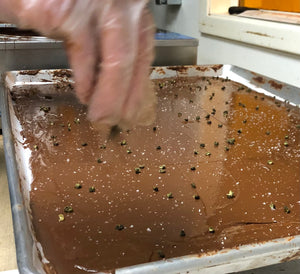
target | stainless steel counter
x=20, y=51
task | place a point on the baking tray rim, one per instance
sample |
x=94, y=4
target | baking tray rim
x=235, y=259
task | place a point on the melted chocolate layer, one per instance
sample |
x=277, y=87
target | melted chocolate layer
x=186, y=185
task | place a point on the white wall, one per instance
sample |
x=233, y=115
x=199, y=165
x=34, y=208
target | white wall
x=183, y=19
x=213, y=50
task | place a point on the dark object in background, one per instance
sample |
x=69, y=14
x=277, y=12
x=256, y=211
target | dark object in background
x=238, y=10
x=17, y=32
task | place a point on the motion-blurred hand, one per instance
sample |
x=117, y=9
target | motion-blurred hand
x=110, y=48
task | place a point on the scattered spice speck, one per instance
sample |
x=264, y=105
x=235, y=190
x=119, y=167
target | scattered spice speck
x=230, y=194
x=231, y=141
x=196, y=197
x=84, y=144
x=68, y=209
x=123, y=143
x=158, y=147
x=161, y=254
x=286, y=210
x=128, y=151
x=272, y=206
x=92, y=189
x=45, y=108
x=61, y=217
x=137, y=170
x=207, y=154
x=211, y=230
x=162, y=170
x=270, y=162
x=155, y=189
x=119, y=227
x=193, y=168
x=193, y=185
x=78, y=186
x=182, y=233
x=170, y=195
x=69, y=126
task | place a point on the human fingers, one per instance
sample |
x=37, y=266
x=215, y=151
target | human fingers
x=139, y=106
x=84, y=60
x=118, y=32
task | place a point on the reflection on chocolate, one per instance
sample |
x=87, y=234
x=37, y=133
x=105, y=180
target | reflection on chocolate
x=222, y=184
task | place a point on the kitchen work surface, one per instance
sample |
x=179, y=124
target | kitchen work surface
x=217, y=171
x=7, y=243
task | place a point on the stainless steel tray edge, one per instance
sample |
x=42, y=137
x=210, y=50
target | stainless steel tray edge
x=25, y=252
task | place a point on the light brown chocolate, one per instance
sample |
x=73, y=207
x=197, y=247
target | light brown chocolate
x=258, y=168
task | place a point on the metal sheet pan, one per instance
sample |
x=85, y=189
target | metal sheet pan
x=225, y=261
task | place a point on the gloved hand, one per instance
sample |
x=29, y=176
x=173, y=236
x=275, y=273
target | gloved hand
x=110, y=48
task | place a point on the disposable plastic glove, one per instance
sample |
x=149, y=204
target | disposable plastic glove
x=110, y=48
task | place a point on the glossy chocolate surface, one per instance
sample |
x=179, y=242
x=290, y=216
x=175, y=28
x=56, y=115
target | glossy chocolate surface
x=141, y=211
